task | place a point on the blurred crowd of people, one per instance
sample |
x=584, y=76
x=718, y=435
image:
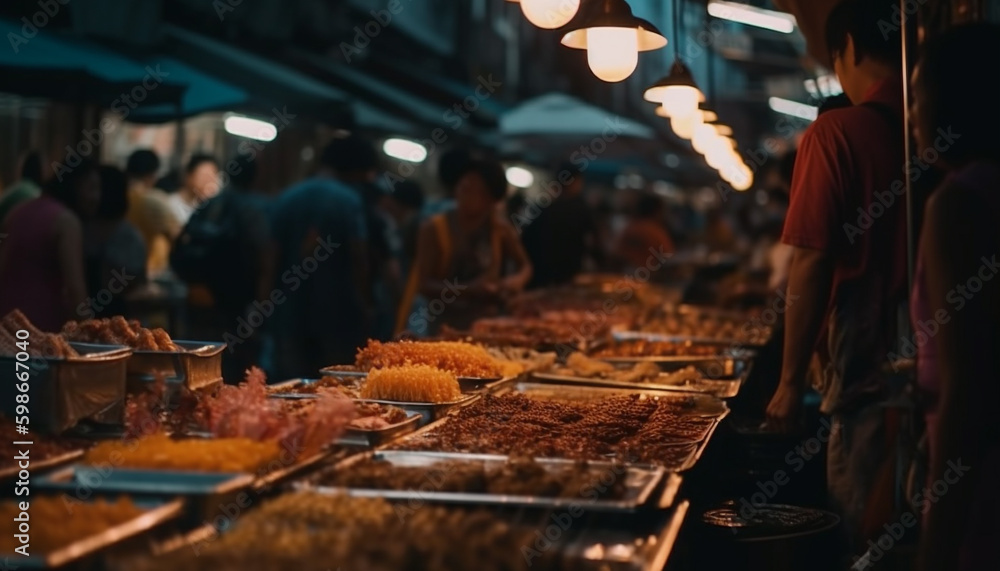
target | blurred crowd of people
x=298, y=280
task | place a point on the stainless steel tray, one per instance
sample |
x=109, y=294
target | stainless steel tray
x=270, y=478
x=618, y=546
x=721, y=388
x=466, y=384
x=672, y=338
x=686, y=453
x=429, y=411
x=371, y=438
x=64, y=391
x=138, y=482
x=694, y=404
x=159, y=514
x=640, y=483
x=37, y=466
x=197, y=365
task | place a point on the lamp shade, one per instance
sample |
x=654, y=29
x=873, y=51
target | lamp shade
x=613, y=38
x=677, y=92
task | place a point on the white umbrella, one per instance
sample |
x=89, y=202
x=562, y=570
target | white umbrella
x=559, y=115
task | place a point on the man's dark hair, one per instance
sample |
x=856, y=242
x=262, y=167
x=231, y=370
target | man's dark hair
x=245, y=173
x=574, y=171
x=865, y=21
x=493, y=175
x=451, y=166
x=409, y=194
x=350, y=154
x=114, y=194
x=65, y=190
x=143, y=162
x=956, y=95
x=31, y=168
x=199, y=159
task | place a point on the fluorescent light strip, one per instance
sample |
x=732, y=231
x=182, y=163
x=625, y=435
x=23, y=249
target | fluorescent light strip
x=752, y=16
x=250, y=128
x=793, y=108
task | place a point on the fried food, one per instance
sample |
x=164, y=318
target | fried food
x=643, y=348
x=517, y=477
x=411, y=383
x=59, y=521
x=585, y=367
x=38, y=343
x=118, y=331
x=313, y=532
x=461, y=359
x=630, y=428
x=160, y=452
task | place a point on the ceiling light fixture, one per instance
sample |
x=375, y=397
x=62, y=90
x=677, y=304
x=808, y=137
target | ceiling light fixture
x=793, y=108
x=250, y=128
x=752, y=16
x=405, y=150
x=613, y=38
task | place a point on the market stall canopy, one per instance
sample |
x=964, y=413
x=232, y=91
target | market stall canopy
x=810, y=16
x=271, y=86
x=65, y=68
x=557, y=114
x=204, y=93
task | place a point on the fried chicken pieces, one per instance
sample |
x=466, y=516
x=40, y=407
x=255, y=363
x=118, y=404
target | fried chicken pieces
x=38, y=343
x=118, y=331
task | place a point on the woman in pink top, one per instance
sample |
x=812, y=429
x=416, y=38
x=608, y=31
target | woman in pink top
x=41, y=258
x=956, y=300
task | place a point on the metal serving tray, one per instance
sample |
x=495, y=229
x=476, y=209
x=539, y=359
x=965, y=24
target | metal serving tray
x=609, y=545
x=63, y=391
x=673, y=338
x=372, y=438
x=144, y=483
x=721, y=388
x=466, y=384
x=686, y=453
x=694, y=404
x=38, y=466
x=160, y=512
x=640, y=483
x=429, y=411
x=197, y=365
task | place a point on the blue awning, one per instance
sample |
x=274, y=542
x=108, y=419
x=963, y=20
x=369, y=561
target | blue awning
x=60, y=67
x=204, y=93
x=269, y=85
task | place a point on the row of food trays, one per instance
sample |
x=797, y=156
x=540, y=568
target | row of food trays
x=483, y=426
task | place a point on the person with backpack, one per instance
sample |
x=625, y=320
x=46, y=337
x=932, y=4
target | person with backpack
x=469, y=259
x=847, y=281
x=223, y=254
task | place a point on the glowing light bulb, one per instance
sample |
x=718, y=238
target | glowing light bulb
x=612, y=53
x=550, y=14
x=681, y=100
x=684, y=126
x=704, y=138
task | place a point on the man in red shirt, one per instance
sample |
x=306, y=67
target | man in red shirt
x=847, y=224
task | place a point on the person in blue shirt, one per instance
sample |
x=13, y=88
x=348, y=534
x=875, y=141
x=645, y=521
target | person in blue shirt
x=322, y=295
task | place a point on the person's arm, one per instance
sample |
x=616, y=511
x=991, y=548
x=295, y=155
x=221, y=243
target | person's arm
x=952, y=246
x=513, y=248
x=814, y=227
x=429, y=260
x=809, y=284
x=69, y=241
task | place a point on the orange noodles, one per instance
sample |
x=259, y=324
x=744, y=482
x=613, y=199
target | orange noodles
x=411, y=383
x=461, y=359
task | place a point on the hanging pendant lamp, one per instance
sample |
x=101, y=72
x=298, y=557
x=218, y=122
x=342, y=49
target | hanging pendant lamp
x=613, y=38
